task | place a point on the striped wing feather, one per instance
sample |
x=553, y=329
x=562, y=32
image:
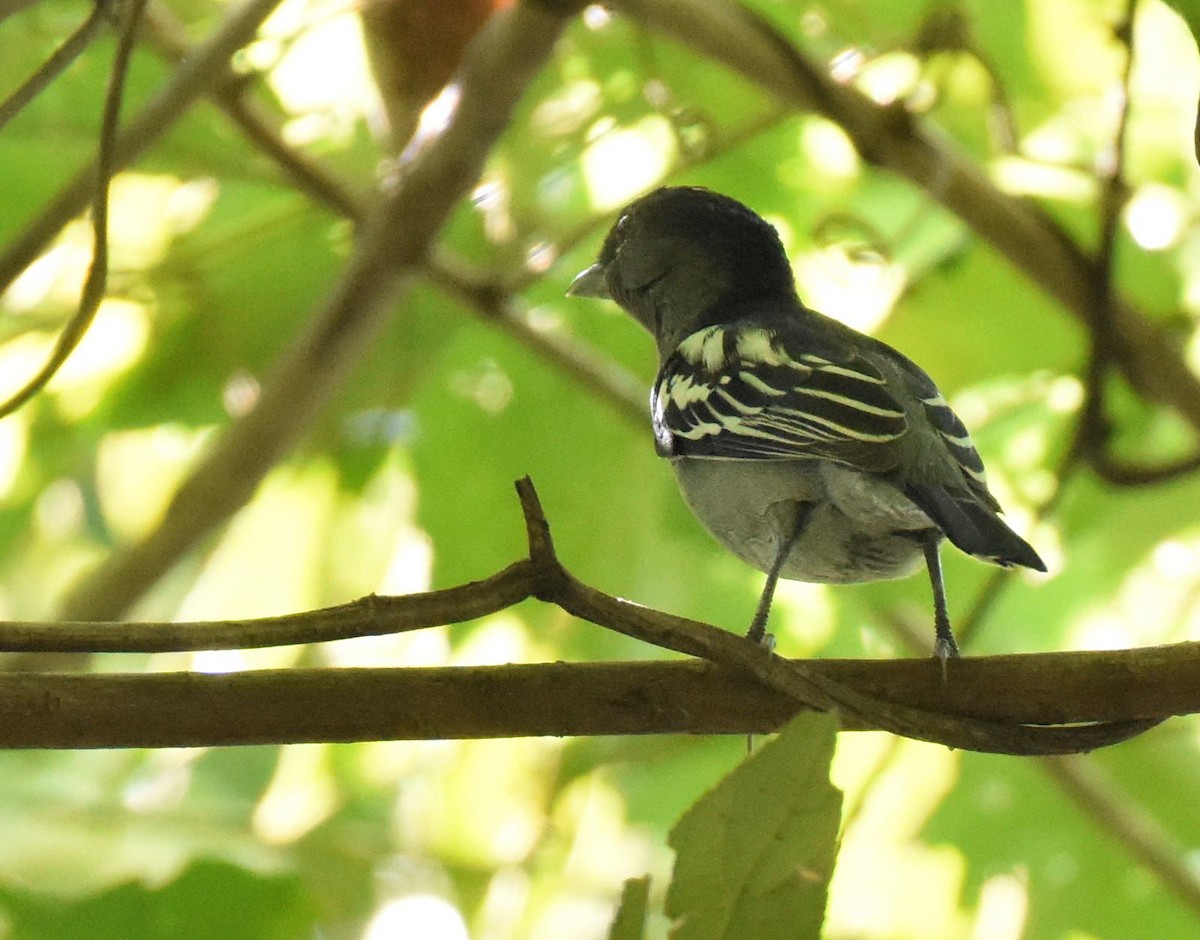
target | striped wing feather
x=736, y=393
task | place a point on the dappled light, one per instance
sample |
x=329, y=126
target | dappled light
x=335, y=330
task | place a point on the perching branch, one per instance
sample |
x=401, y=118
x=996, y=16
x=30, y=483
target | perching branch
x=1030, y=704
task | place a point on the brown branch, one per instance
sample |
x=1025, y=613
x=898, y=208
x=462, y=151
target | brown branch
x=373, y=615
x=894, y=140
x=288, y=706
x=1034, y=704
x=393, y=242
x=95, y=286
x=1093, y=441
x=1029, y=688
x=280, y=706
x=167, y=35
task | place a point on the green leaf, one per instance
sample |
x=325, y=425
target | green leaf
x=630, y=922
x=755, y=855
x=210, y=900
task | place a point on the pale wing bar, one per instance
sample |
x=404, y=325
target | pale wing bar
x=753, y=400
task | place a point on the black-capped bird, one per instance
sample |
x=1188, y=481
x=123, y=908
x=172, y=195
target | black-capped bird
x=810, y=450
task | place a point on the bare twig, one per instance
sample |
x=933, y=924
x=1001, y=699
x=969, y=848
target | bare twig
x=590, y=369
x=166, y=34
x=1051, y=703
x=392, y=245
x=49, y=70
x=192, y=80
x=96, y=284
x=1095, y=429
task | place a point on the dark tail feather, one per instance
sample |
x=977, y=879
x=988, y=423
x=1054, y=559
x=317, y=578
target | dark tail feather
x=975, y=528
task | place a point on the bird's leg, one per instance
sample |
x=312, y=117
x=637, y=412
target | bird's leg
x=758, y=626
x=945, y=646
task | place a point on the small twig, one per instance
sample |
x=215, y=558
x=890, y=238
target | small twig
x=96, y=284
x=590, y=369
x=49, y=70
x=230, y=93
x=1125, y=473
x=1093, y=441
x=392, y=244
x=191, y=80
x=793, y=677
x=1094, y=430
x=373, y=615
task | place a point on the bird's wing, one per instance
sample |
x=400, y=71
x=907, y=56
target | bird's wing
x=949, y=427
x=748, y=391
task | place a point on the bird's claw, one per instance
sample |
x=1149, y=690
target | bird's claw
x=945, y=648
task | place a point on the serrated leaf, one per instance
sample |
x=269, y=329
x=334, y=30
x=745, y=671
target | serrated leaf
x=755, y=855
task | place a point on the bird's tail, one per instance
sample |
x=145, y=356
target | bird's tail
x=974, y=527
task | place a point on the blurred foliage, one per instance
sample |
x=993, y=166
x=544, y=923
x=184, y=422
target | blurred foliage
x=406, y=482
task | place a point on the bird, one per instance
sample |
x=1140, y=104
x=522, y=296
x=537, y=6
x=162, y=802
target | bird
x=811, y=451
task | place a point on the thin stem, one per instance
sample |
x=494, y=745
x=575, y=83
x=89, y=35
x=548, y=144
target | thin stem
x=192, y=80
x=49, y=70
x=96, y=284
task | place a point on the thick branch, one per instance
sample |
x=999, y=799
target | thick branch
x=999, y=704
x=285, y=706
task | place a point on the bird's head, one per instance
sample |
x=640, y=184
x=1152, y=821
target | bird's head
x=682, y=258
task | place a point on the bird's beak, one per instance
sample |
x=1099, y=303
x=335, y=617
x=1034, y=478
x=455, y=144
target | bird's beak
x=590, y=282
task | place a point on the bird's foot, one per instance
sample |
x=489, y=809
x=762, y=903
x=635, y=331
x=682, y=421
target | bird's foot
x=945, y=648
x=757, y=634
x=762, y=638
